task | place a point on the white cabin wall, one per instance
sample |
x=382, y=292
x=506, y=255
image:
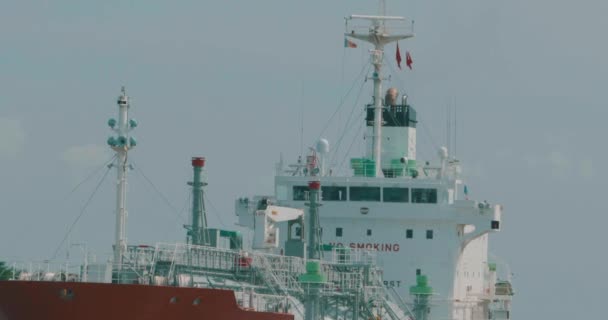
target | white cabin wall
x=441, y=258
x=397, y=142
x=435, y=257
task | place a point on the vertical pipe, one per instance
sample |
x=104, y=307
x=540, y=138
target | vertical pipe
x=313, y=219
x=421, y=306
x=421, y=294
x=313, y=298
x=198, y=220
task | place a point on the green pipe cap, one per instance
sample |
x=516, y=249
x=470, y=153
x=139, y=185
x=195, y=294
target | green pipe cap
x=421, y=287
x=313, y=273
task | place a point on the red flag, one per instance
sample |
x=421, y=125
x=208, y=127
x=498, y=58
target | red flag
x=408, y=60
x=398, y=57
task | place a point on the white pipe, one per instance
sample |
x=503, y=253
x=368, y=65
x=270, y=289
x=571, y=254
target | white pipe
x=120, y=243
x=377, y=61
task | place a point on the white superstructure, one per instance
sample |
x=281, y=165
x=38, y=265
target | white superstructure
x=416, y=217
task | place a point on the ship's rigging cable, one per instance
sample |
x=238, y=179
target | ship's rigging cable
x=334, y=159
x=82, y=211
x=93, y=173
x=425, y=129
x=186, y=204
x=162, y=196
x=179, y=213
x=351, y=144
x=364, y=70
x=215, y=211
x=346, y=126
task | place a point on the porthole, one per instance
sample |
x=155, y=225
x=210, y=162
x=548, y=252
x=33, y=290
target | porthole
x=66, y=293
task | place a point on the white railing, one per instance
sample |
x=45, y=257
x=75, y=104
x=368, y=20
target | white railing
x=196, y=257
x=65, y=272
x=283, y=278
x=346, y=255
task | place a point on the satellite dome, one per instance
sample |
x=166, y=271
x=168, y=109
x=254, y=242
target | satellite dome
x=323, y=146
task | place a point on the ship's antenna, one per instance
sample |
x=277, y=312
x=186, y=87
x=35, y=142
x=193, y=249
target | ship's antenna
x=451, y=129
x=121, y=144
x=379, y=36
x=455, y=129
x=302, y=119
x=448, y=129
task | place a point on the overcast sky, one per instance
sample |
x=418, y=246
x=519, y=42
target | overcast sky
x=229, y=80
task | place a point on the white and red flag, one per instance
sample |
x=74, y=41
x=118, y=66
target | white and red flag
x=349, y=44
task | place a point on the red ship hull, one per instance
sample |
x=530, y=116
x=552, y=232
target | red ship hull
x=25, y=300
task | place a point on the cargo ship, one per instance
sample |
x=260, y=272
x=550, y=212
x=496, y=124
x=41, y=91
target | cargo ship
x=394, y=238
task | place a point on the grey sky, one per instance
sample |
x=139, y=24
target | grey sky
x=228, y=80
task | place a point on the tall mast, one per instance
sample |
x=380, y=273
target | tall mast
x=379, y=36
x=121, y=146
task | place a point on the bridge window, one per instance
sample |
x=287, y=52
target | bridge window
x=338, y=232
x=429, y=234
x=334, y=193
x=369, y=232
x=300, y=193
x=365, y=193
x=395, y=195
x=420, y=195
x=409, y=233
